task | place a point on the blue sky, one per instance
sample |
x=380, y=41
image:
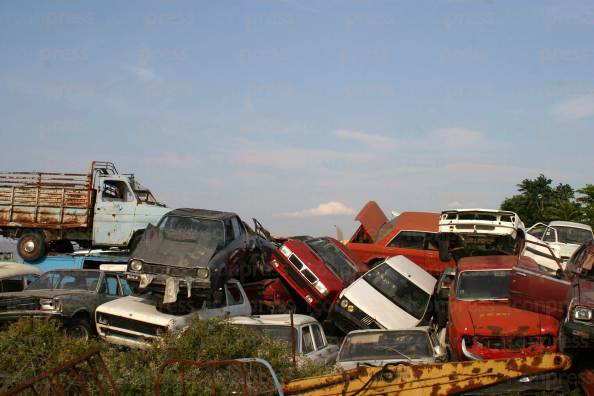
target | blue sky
x=273, y=108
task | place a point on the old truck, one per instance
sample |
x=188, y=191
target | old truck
x=100, y=208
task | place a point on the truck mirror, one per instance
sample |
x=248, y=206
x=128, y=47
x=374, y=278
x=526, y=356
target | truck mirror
x=559, y=273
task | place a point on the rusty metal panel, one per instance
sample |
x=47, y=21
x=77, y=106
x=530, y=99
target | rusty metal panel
x=430, y=379
x=45, y=200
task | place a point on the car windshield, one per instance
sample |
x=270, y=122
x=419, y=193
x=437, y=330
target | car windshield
x=282, y=333
x=573, y=235
x=144, y=194
x=334, y=258
x=398, y=289
x=484, y=285
x=181, y=241
x=383, y=345
x=66, y=280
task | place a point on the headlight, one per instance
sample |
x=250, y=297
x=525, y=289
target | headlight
x=135, y=265
x=344, y=303
x=582, y=313
x=286, y=251
x=48, y=304
x=101, y=319
x=321, y=288
x=202, y=273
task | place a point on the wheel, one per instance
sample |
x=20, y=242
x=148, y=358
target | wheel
x=31, y=246
x=79, y=328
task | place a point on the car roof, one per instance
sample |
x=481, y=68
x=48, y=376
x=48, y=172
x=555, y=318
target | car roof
x=422, y=221
x=409, y=269
x=492, y=262
x=277, y=319
x=9, y=269
x=201, y=213
x=570, y=224
x=479, y=210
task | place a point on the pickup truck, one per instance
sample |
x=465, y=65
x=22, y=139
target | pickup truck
x=47, y=210
x=564, y=236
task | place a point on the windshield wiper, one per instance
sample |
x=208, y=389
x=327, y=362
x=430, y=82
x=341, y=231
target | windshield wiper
x=397, y=351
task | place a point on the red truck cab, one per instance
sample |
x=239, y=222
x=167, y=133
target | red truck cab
x=317, y=269
x=482, y=324
x=411, y=234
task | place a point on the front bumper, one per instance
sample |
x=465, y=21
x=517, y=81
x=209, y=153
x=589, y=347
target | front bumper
x=579, y=331
x=13, y=316
x=124, y=337
x=347, y=322
x=158, y=282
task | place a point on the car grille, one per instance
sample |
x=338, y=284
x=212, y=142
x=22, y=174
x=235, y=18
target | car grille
x=130, y=324
x=365, y=319
x=169, y=270
x=509, y=342
x=20, y=304
x=481, y=227
x=297, y=277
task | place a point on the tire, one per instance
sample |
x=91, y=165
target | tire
x=31, y=246
x=79, y=328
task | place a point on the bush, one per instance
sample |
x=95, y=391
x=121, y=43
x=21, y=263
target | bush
x=29, y=347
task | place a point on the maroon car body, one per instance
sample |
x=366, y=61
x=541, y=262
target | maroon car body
x=567, y=295
x=317, y=269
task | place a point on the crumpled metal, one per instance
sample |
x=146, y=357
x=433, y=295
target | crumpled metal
x=145, y=280
x=171, y=290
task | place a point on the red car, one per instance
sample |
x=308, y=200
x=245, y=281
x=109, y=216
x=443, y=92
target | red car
x=411, y=234
x=482, y=324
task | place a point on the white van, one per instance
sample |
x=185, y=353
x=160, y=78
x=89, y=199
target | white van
x=395, y=294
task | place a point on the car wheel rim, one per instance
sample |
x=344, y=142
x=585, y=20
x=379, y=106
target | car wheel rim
x=29, y=246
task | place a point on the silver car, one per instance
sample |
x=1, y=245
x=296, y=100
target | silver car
x=380, y=347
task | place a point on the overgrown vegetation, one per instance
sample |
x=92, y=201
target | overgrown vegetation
x=31, y=346
x=538, y=201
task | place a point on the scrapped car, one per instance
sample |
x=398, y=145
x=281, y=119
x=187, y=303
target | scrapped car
x=86, y=259
x=191, y=250
x=307, y=334
x=393, y=295
x=410, y=234
x=15, y=277
x=482, y=324
x=567, y=295
x=269, y=296
x=381, y=347
x=564, y=236
x=70, y=296
x=135, y=322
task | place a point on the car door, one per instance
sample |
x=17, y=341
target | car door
x=410, y=244
x=534, y=289
x=237, y=244
x=325, y=352
x=109, y=288
x=307, y=345
x=113, y=222
x=237, y=302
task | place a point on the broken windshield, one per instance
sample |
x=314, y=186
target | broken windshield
x=484, y=285
x=143, y=194
x=181, y=241
x=398, y=289
x=334, y=257
x=382, y=345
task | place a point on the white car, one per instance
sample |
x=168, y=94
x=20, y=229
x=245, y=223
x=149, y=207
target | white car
x=134, y=321
x=15, y=277
x=564, y=236
x=393, y=295
x=379, y=347
x=308, y=335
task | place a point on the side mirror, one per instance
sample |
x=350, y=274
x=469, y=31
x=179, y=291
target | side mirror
x=438, y=350
x=559, y=273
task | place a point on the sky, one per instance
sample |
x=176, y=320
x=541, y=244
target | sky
x=298, y=112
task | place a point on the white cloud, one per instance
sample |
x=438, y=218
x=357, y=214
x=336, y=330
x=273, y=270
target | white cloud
x=457, y=137
x=454, y=205
x=332, y=208
x=365, y=138
x=576, y=108
x=143, y=73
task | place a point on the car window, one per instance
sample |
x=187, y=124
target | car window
x=13, y=284
x=408, y=240
x=109, y=285
x=126, y=291
x=307, y=344
x=549, y=235
x=234, y=295
x=431, y=241
x=318, y=338
x=30, y=279
x=229, y=235
x=116, y=191
x=236, y=227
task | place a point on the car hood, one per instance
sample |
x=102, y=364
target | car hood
x=586, y=288
x=43, y=293
x=499, y=319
